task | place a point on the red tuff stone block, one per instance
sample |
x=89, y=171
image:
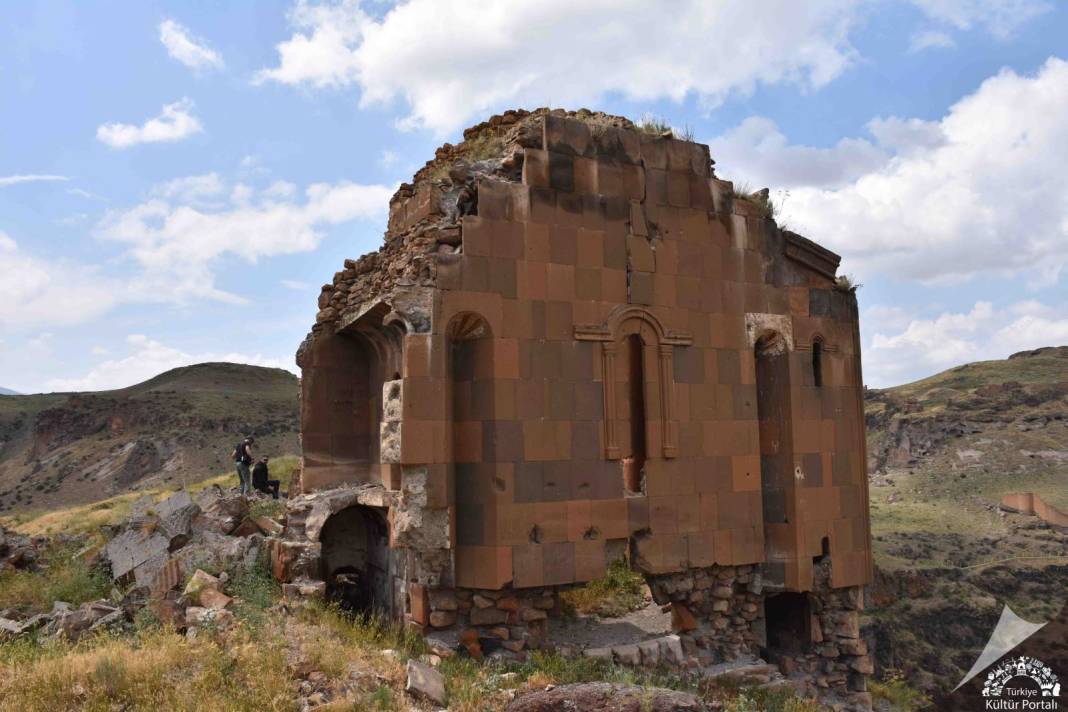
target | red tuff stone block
x=567, y=136
x=536, y=168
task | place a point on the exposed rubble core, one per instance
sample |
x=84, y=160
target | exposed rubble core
x=576, y=344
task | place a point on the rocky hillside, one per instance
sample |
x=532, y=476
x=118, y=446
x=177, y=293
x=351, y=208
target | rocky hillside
x=942, y=452
x=64, y=448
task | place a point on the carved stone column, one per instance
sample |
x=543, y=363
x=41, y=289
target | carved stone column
x=608, y=373
x=667, y=401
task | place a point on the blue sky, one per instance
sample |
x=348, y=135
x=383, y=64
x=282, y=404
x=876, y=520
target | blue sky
x=177, y=179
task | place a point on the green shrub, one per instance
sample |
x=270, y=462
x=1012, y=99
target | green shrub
x=620, y=591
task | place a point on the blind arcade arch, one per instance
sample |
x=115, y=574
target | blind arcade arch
x=623, y=323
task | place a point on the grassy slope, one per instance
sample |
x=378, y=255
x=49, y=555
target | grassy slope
x=949, y=558
x=192, y=416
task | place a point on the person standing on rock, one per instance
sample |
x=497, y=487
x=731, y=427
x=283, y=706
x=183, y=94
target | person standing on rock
x=242, y=459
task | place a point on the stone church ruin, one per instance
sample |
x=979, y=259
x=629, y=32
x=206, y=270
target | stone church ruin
x=578, y=344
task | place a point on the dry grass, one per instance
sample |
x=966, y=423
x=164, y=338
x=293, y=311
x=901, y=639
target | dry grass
x=154, y=670
x=64, y=577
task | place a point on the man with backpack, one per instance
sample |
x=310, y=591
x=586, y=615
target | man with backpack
x=242, y=459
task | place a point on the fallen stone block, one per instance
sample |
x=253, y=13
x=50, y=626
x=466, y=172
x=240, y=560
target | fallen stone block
x=598, y=653
x=268, y=526
x=303, y=590
x=211, y=598
x=137, y=554
x=425, y=681
x=200, y=581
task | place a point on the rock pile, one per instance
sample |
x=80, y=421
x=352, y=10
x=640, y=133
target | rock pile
x=151, y=555
x=18, y=551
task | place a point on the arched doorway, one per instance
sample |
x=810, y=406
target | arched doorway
x=355, y=560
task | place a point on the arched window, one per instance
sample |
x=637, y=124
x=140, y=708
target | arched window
x=817, y=362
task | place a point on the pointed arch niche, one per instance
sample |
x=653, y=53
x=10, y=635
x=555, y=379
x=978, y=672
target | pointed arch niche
x=640, y=391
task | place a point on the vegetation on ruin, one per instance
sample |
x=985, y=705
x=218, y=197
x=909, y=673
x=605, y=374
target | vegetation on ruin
x=620, y=591
x=760, y=198
x=660, y=126
x=847, y=283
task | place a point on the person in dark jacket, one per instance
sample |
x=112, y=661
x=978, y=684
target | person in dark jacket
x=260, y=480
x=242, y=460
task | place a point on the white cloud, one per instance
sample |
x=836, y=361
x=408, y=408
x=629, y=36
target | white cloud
x=191, y=189
x=193, y=53
x=178, y=242
x=980, y=191
x=388, y=158
x=174, y=123
x=904, y=349
x=83, y=193
x=296, y=285
x=757, y=152
x=930, y=39
x=35, y=292
x=583, y=51
x=1000, y=18
x=147, y=358
x=29, y=178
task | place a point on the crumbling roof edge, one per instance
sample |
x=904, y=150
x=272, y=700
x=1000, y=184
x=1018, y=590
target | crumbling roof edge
x=811, y=254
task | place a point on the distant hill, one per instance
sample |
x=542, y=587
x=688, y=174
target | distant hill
x=942, y=451
x=66, y=448
x=8, y=392
x=991, y=418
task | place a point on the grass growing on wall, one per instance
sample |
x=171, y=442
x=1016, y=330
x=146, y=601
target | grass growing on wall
x=615, y=594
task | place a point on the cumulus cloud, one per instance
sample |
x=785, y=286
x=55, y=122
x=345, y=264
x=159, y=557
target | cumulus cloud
x=192, y=52
x=35, y=291
x=174, y=123
x=757, y=152
x=147, y=358
x=537, y=51
x=29, y=178
x=904, y=348
x=980, y=191
x=177, y=238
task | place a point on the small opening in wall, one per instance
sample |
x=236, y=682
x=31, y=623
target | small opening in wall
x=825, y=551
x=817, y=362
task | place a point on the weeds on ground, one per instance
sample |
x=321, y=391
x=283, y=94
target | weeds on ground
x=152, y=670
x=897, y=693
x=254, y=590
x=62, y=576
x=659, y=126
x=620, y=591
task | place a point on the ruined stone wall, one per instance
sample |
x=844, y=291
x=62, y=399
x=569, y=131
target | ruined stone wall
x=582, y=343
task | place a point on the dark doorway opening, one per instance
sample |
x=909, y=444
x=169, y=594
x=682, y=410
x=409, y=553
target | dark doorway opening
x=355, y=560
x=788, y=624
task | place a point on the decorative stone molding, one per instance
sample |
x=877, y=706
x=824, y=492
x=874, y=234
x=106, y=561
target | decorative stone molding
x=808, y=253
